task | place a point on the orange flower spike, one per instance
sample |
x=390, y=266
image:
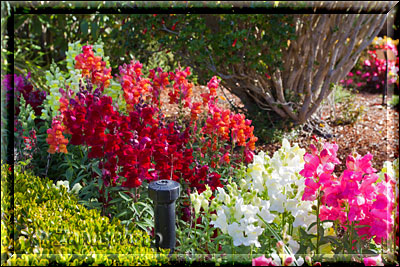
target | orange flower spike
x=190, y=90
x=63, y=104
x=252, y=142
x=55, y=138
x=226, y=116
x=195, y=110
x=63, y=149
x=223, y=132
x=226, y=158
x=241, y=138
x=107, y=83
x=164, y=78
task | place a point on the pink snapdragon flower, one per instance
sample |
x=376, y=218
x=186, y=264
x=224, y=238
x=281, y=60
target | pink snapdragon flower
x=318, y=169
x=357, y=196
x=360, y=164
x=263, y=261
x=373, y=261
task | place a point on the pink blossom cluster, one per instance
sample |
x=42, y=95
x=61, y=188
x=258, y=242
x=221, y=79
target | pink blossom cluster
x=372, y=70
x=355, y=197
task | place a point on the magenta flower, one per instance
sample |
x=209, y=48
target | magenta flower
x=312, y=163
x=262, y=261
x=288, y=261
x=373, y=261
x=359, y=163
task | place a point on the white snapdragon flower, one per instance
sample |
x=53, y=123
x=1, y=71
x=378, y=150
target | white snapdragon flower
x=252, y=232
x=236, y=232
x=221, y=221
x=204, y=204
x=249, y=212
x=264, y=213
x=291, y=206
x=223, y=196
x=293, y=245
x=196, y=200
x=271, y=186
x=62, y=183
x=277, y=202
x=75, y=189
x=277, y=259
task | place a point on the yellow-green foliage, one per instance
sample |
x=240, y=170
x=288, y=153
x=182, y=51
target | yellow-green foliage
x=6, y=225
x=51, y=227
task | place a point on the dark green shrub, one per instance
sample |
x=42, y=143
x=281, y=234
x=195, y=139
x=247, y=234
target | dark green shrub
x=51, y=227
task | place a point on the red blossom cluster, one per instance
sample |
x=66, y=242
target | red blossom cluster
x=140, y=145
x=30, y=141
x=137, y=147
x=182, y=89
x=160, y=81
x=93, y=67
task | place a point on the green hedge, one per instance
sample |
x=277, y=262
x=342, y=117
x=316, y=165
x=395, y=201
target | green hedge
x=6, y=226
x=51, y=227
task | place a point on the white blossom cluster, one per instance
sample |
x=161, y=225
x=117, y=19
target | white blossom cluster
x=74, y=190
x=270, y=187
x=277, y=179
x=57, y=79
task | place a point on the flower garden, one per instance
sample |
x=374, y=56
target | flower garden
x=86, y=150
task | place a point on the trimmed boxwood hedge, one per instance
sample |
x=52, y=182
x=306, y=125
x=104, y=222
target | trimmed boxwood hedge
x=51, y=227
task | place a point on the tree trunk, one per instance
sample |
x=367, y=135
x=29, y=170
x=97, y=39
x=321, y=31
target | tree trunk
x=326, y=49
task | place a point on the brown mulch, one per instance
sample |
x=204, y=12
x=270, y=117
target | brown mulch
x=375, y=131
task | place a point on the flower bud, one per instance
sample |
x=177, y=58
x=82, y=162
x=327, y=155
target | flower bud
x=308, y=260
x=204, y=204
x=242, y=184
x=196, y=204
x=288, y=261
x=280, y=245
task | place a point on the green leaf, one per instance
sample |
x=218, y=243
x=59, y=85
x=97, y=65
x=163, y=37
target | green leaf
x=370, y=251
x=95, y=29
x=311, y=225
x=18, y=20
x=69, y=173
x=362, y=226
x=115, y=200
x=133, y=209
x=96, y=170
x=122, y=214
x=125, y=197
x=80, y=176
x=84, y=27
x=327, y=239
